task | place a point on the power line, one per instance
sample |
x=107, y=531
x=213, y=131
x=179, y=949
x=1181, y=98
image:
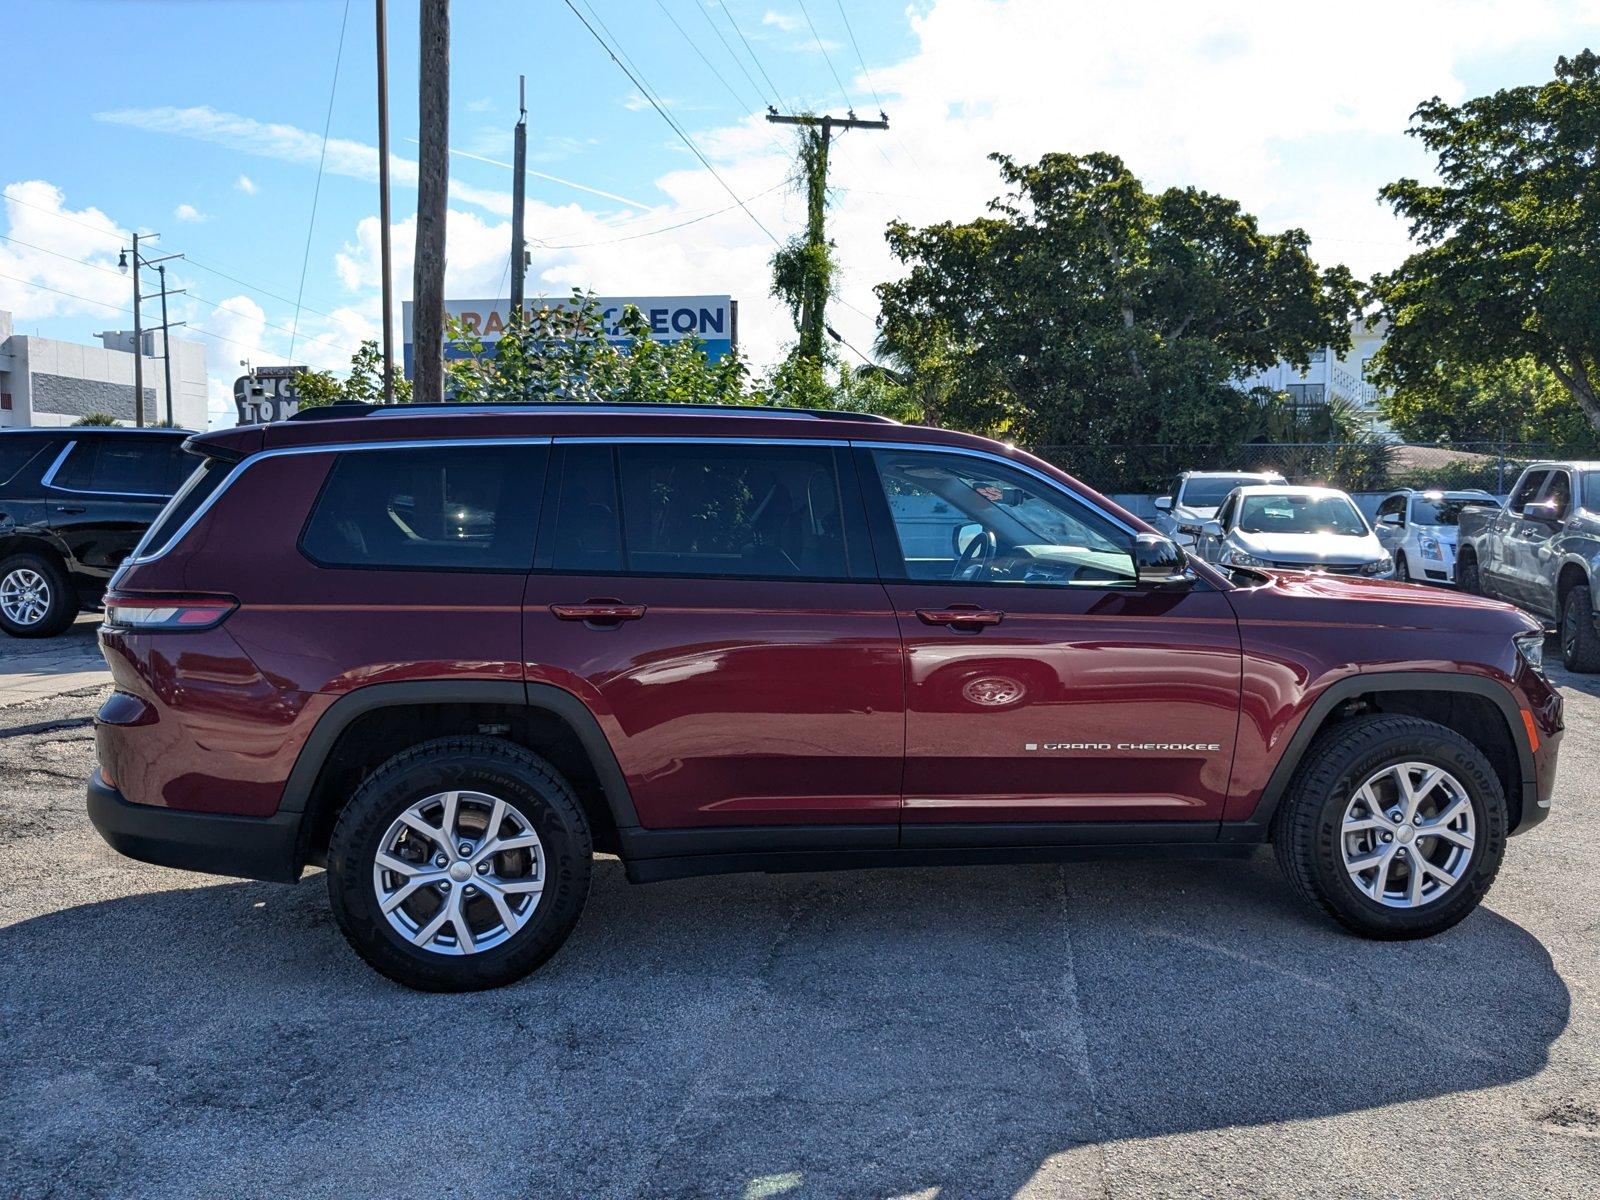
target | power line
x=739, y=62
x=633, y=237
x=687, y=140
x=826, y=57
x=728, y=12
x=189, y=292
x=693, y=45
x=876, y=99
x=316, y=192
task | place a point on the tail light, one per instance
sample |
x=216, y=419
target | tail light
x=167, y=613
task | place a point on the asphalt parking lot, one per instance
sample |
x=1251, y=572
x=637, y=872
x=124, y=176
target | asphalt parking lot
x=1095, y=1030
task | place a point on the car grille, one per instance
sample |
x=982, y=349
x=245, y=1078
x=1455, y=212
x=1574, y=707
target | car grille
x=1324, y=568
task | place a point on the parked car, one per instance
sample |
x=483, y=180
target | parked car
x=727, y=640
x=1418, y=528
x=1294, y=529
x=73, y=502
x=1196, y=496
x=1542, y=552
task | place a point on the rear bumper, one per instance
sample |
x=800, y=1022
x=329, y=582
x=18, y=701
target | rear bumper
x=243, y=847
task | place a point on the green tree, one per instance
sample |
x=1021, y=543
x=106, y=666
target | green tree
x=1509, y=269
x=1086, y=308
x=1508, y=401
x=363, y=384
x=803, y=267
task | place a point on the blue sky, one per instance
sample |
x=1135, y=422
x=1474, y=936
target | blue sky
x=212, y=132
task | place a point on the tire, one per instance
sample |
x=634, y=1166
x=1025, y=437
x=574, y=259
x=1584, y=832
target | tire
x=25, y=580
x=1311, y=843
x=537, y=799
x=1467, y=579
x=1580, y=643
x=1402, y=572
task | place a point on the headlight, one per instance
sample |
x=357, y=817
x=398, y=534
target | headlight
x=1429, y=547
x=1382, y=567
x=1238, y=558
x=1531, y=647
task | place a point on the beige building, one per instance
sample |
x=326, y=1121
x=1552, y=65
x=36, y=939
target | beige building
x=50, y=383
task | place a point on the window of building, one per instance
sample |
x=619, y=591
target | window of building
x=124, y=465
x=470, y=508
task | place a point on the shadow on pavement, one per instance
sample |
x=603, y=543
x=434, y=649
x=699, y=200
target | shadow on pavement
x=878, y=1033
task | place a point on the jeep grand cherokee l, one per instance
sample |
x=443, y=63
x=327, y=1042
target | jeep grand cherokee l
x=451, y=654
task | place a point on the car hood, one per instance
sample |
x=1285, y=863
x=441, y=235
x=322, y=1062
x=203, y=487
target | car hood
x=1309, y=548
x=1381, y=604
x=1194, y=514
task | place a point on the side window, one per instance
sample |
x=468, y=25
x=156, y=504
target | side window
x=1394, y=506
x=125, y=466
x=966, y=519
x=588, y=524
x=1559, y=492
x=1591, y=490
x=1526, y=490
x=1225, y=517
x=441, y=508
x=703, y=509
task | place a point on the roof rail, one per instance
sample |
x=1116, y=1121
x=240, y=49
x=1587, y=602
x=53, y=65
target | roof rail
x=352, y=408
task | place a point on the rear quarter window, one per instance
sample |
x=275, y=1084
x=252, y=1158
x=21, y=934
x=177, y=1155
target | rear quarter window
x=206, y=477
x=467, y=508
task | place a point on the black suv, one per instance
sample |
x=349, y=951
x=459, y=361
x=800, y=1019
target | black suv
x=73, y=504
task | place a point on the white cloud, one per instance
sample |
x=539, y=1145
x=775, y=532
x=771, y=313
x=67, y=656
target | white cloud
x=80, y=277
x=783, y=22
x=246, y=185
x=481, y=105
x=189, y=213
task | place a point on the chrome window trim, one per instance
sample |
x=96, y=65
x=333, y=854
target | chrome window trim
x=1054, y=484
x=50, y=475
x=250, y=460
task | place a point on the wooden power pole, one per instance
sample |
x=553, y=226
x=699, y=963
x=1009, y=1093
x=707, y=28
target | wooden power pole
x=519, y=188
x=385, y=252
x=815, y=298
x=433, y=183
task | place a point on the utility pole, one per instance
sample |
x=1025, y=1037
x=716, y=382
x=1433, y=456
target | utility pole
x=815, y=297
x=138, y=322
x=383, y=202
x=166, y=336
x=519, y=186
x=433, y=181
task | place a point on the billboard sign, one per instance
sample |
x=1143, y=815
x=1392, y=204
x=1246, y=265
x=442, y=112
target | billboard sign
x=267, y=394
x=712, y=319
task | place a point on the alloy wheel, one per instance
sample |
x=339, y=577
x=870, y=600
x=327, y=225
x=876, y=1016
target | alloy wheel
x=25, y=596
x=1408, y=834
x=459, y=872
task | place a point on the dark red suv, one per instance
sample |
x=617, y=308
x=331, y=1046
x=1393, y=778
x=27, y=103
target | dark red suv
x=452, y=653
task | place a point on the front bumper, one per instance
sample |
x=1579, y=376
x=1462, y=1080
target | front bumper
x=243, y=847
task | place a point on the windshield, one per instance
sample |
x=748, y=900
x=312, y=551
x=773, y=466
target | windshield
x=1211, y=491
x=1301, y=514
x=1426, y=510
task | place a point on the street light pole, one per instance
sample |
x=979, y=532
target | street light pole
x=138, y=344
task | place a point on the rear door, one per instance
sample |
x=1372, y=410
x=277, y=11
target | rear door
x=715, y=604
x=1044, y=683
x=104, y=490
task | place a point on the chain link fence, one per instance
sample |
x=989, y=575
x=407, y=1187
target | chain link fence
x=1151, y=468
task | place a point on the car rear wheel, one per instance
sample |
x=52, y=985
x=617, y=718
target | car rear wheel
x=1394, y=827
x=36, y=596
x=1580, y=642
x=460, y=864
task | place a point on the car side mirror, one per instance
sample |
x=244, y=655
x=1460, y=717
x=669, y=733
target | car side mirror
x=1547, y=512
x=1212, y=529
x=1157, y=559
x=961, y=537
x=1164, y=503
x=1389, y=519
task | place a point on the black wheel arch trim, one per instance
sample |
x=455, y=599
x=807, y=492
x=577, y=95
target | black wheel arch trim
x=353, y=705
x=1256, y=826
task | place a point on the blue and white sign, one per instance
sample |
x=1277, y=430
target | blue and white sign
x=712, y=319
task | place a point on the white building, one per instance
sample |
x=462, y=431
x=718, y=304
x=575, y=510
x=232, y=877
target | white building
x=45, y=382
x=1331, y=376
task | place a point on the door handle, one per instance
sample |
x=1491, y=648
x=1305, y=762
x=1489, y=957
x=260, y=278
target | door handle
x=598, y=614
x=69, y=508
x=972, y=618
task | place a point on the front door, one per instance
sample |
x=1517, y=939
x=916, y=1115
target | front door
x=1044, y=683
x=716, y=606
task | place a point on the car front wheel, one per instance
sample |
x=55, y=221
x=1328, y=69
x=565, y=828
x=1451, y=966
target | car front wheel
x=36, y=596
x=1394, y=826
x=460, y=864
